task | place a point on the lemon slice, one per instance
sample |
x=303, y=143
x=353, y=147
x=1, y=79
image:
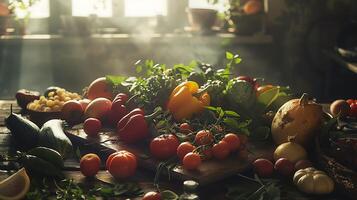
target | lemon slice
x=15, y=186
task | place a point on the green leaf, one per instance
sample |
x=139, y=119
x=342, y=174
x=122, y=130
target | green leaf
x=220, y=112
x=232, y=123
x=267, y=97
x=149, y=63
x=231, y=113
x=139, y=68
x=211, y=108
x=229, y=55
x=237, y=60
x=168, y=195
x=245, y=123
x=115, y=80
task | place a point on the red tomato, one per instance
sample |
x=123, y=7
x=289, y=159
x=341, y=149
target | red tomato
x=184, y=148
x=152, y=196
x=350, y=101
x=109, y=159
x=207, y=154
x=191, y=161
x=123, y=164
x=164, y=146
x=353, y=111
x=233, y=141
x=204, y=137
x=185, y=128
x=221, y=150
x=92, y=126
x=89, y=164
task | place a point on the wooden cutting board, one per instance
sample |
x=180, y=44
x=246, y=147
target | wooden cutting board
x=209, y=171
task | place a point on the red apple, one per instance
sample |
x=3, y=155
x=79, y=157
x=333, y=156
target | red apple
x=263, y=167
x=72, y=112
x=98, y=108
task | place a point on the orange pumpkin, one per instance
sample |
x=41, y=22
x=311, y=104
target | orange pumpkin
x=298, y=117
x=252, y=7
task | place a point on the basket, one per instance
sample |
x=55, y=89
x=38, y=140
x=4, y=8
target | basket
x=344, y=177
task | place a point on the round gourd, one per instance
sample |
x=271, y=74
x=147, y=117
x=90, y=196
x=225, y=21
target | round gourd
x=298, y=117
x=312, y=181
x=291, y=151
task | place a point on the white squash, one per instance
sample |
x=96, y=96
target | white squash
x=312, y=181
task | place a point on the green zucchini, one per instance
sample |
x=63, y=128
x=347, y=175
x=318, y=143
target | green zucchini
x=39, y=166
x=47, y=154
x=52, y=136
x=24, y=131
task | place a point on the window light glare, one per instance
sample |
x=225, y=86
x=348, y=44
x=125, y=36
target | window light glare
x=85, y=8
x=145, y=8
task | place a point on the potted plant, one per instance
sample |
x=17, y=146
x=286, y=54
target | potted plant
x=20, y=10
x=201, y=19
x=4, y=17
x=245, y=16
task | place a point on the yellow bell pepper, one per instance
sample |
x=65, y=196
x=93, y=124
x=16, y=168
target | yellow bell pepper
x=182, y=102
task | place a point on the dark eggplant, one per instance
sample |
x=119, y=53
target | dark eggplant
x=24, y=131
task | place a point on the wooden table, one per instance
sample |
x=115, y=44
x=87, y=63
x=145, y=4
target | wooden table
x=214, y=191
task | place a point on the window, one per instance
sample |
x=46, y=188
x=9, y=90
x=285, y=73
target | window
x=145, y=8
x=220, y=6
x=40, y=9
x=84, y=8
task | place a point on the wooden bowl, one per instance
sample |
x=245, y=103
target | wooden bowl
x=39, y=118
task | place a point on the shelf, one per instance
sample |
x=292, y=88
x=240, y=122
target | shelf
x=233, y=39
x=339, y=59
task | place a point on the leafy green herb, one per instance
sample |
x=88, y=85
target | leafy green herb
x=262, y=189
x=115, y=80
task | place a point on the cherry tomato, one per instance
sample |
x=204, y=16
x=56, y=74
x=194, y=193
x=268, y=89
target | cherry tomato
x=233, y=141
x=191, y=161
x=353, y=111
x=164, y=146
x=152, y=196
x=204, y=137
x=92, y=126
x=263, y=88
x=183, y=149
x=207, y=154
x=123, y=164
x=89, y=164
x=221, y=150
x=185, y=128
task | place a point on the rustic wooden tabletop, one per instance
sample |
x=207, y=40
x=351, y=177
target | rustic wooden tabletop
x=143, y=177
